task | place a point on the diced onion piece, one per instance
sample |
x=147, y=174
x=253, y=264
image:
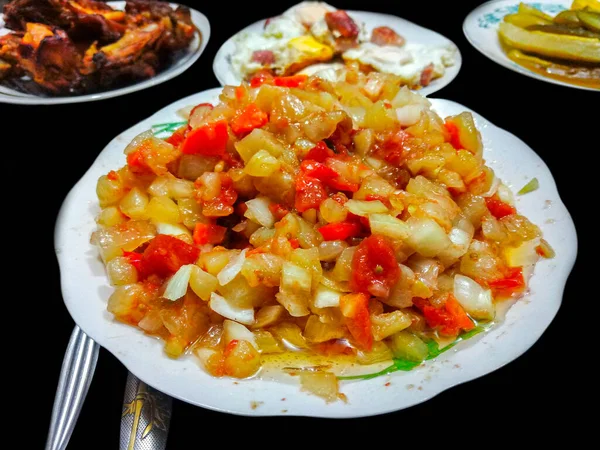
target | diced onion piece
x=364, y=208
x=262, y=164
x=296, y=305
x=389, y=226
x=380, y=352
x=476, y=300
x=221, y=306
x=494, y=185
x=172, y=229
x=546, y=250
x=384, y=325
x=524, y=255
x=330, y=250
x=295, y=278
x=259, y=212
x=233, y=267
x=529, y=187
x=427, y=237
x=461, y=240
x=322, y=384
x=202, y=283
x=326, y=297
x=178, y=284
x=505, y=194
x=268, y=315
x=236, y=331
x=409, y=115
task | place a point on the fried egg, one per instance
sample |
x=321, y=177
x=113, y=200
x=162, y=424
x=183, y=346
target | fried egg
x=407, y=62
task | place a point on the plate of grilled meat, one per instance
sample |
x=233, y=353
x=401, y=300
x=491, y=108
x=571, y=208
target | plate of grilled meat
x=67, y=51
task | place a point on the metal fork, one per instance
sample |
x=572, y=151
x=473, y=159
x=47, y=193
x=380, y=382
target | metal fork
x=76, y=375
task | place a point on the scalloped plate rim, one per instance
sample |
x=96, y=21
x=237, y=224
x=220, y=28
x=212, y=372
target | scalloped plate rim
x=249, y=390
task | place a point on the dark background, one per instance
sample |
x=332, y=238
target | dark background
x=54, y=145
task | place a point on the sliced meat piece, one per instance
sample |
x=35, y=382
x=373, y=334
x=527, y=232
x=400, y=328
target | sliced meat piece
x=341, y=24
x=426, y=75
x=264, y=57
x=386, y=36
x=343, y=29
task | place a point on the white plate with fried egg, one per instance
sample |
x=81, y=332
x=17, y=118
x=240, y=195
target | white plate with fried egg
x=300, y=40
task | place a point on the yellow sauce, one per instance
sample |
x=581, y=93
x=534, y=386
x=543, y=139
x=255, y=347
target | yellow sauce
x=561, y=72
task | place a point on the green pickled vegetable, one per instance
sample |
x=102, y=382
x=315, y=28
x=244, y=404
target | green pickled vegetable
x=529, y=187
x=551, y=45
x=566, y=30
x=590, y=20
x=526, y=9
x=567, y=17
x=525, y=20
x=407, y=346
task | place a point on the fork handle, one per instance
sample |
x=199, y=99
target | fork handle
x=76, y=375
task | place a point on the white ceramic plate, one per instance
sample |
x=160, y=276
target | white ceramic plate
x=411, y=32
x=481, y=29
x=86, y=290
x=184, y=61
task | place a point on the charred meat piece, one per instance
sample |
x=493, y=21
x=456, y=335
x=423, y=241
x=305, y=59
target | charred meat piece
x=179, y=29
x=81, y=19
x=18, y=13
x=50, y=57
x=130, y=58
x=344, y=30
x=9, y=55
x=386, y=36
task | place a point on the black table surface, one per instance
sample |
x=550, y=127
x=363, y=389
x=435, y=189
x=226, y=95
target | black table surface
x=54, y=145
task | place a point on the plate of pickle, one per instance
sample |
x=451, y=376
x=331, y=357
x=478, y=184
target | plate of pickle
x=553, y=41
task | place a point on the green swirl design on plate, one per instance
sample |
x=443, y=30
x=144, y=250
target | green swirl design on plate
x=495, y=17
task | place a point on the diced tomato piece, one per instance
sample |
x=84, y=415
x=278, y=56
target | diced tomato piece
x=318, y=170
x=230, y=347
x=178, y=136
x=448, y=319
x=135, y=259
x=498, y=208
x=278, y=210
x=250, y=118
x=374, y=267
x=137, y=162
x=340, y=231
x=310, y=192
x=222, y=204
x=341, y=184
x=112, y=175
x=355, y=309
x=166, y=254
x=240, y=93
x=320, y=152
x=295, y=243
x=260, y=78
x=209, y=234
x=208, y=140
x=513, y=281
x=291, y=81
x=454, y=134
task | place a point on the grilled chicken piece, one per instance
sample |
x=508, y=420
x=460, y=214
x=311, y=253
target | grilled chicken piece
x=50, y=57
x=130, y=58
x=81, y=19
x=9, y=55
x=179, y=29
